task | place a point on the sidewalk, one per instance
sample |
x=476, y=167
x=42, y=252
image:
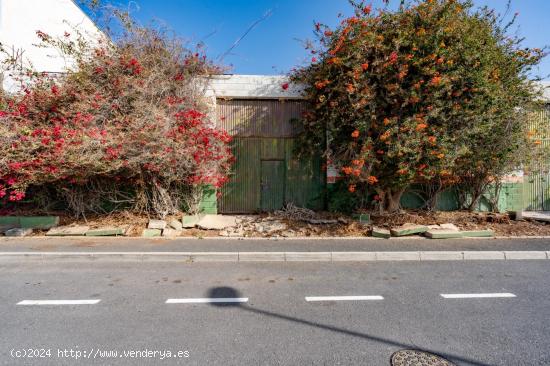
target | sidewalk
x=327, y=250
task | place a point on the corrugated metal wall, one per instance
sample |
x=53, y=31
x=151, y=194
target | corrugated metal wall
x=537, y=182
x=263, y=132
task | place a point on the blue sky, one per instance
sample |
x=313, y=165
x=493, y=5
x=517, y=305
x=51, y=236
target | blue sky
x=274, y=45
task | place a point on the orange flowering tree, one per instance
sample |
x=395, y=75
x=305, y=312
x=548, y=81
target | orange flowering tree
x=404, y=96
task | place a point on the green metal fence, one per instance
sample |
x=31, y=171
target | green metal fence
x=536, y=192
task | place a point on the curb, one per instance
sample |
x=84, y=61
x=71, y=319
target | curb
x=272, y=238
x=191, y=257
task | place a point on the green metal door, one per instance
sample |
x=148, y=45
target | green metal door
x=272, y=184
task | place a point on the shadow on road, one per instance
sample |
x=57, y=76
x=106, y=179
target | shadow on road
x=229, y=292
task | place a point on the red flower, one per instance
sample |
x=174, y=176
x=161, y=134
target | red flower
x=284, y=86
x=367, y=9
x=393, y=57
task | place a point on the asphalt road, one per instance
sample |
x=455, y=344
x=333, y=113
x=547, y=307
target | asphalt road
x=277, y=326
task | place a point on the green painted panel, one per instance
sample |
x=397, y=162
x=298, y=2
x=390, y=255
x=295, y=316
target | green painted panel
x=272, y=185
x=305, y=180
x=273, y=148
x=536, y=193
x=242, y=193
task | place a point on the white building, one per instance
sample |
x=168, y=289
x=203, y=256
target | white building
x=21, y=19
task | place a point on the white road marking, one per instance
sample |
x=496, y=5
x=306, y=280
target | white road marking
x=477, y=296
x=343, y=298
x=59, y=302
x=207, y=300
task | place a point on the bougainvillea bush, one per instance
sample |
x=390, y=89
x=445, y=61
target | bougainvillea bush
x=432, y=91
x=127, y=122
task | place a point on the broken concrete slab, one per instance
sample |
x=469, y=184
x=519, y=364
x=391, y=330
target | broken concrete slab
x=478, y=233
x=175, y=224
x=156, y=224
x=171, y=233
x=151, y=233
x=216, y=222
x=269, y=227
x=190, y=221
x=408, y=229
x=232, y=233
x=543, y=216
x=6, y=227
x=443, y=234
x=18, y=232
x=106, y=231
x=68, y=231
x=381, y=233
x=449, y=226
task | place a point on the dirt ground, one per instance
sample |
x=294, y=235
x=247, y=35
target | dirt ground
x=343, y=225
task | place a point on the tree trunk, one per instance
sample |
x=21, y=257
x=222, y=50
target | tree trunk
x=390, y=200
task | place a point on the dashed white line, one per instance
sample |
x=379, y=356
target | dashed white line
x=59, y=302
x=343, y=298
x=478, y=296
x=207, y=300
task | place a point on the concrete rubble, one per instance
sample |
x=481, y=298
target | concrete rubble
x=216, y=222
x=156, y=224
x=409, y=229
x=18, y=232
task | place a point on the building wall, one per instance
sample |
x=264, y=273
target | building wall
x=19, y=21
x=267, y=172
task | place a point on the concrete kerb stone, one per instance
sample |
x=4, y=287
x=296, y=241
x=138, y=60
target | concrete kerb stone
x=512, y=255
x=353, y=256
x=308, y=256
x=188, y=257
x=397, y=256
x=483, y=255
x=261, y=256
x=441, y=256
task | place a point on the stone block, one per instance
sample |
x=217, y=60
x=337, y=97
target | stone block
x=18, y=232
x=106, y=231
x=156, y=224
x=190, y=221
x=39, y=222
x=216, y=222
x=171, y=233
x=443, y=234
x=151, y=233
x=478, y=233
x=68, y=231
x=381, y=233
x=176, y=224
x=449, y=226
x=408, y=229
